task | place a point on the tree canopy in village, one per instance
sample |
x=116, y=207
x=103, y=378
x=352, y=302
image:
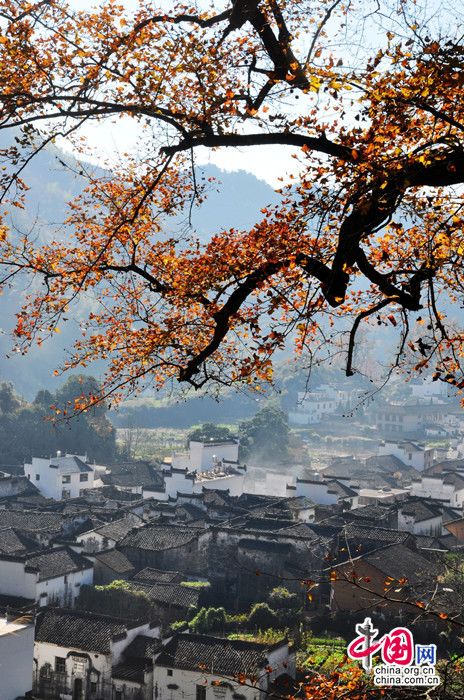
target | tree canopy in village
x=368, y=98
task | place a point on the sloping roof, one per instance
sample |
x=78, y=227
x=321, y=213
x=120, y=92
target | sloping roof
x=149, y=575
x=169, y=593
x=79, y=630
x=341, y=489
x=312, y=531
x=132, y=670
x=14, y=486
x=399, y=562
x=159, y=537
x=14, y=542
x=420, y=510
x=214, y=497
x=456, y=479
x=353, y=531
x=142, y=647
x=115, y=530
x=388, y=463
x=56, y=562
x=192, y=512
x=115, y=560
x=427, y=542
x=69, y=464
x=133, y=474
x=373, y=512
x=450, y=514
x=31, y=521
x=221, y=656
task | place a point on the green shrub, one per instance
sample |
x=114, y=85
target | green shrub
x=262, y=617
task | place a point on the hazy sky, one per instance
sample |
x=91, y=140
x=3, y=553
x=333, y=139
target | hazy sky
x=112, y=139
x=366, y=29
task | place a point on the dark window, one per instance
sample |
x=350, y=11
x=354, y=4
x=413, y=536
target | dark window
x=118, y=695
x=66, y=479
x=60, y=664
x=37, y=477
x=93, y=688
x=201, y=693
x=84, y=477
x=169, y=671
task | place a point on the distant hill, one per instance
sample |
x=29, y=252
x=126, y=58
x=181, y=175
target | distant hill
x=52, y=186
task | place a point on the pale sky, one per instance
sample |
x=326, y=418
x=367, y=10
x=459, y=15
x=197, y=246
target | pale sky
x=109, y=140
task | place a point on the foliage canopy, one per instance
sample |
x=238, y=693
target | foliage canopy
x=371, y=230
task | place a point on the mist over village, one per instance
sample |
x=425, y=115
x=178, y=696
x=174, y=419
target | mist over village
x=231, y=350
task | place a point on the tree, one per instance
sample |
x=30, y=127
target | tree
x=280, y=598
x=27, y=431
x=262, y=617
x=370, y=231
x=265, y=436
x=210, y=432
x=208, y=620
x=9, y=402
x=44, y=399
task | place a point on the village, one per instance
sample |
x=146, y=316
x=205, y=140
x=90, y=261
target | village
x=201, y=578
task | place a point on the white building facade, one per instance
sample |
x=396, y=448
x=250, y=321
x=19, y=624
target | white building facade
x=49, y=577
x=61, y=477
x=16, y=658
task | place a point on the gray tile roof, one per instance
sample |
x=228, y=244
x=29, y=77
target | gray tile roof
x=221, y=656
x=132, y=670
x=31, y=521
x=14, y=486
x=376, y=513
x=169, y=594
x=69, y=464
x=115, y=560
x=142, y=647
x=399, y=562
x=116, y=530
x=159, y=537
x=14, y=542
x=134, y=474
x=362, y=533
x=420, y=510
x=456, y=479
x=388, y=463
x=56, y=562
x=149, y=575
x=341, y=489
x=79, y=630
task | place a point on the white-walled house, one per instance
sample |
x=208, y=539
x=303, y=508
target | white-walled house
x=420, y=518
x=448, y=488
x=314, y=406
x=107, y=536
x=205, y=456
x=224, y=477
x=323, y=492
x=410, y=453
x=75, y=653
x=202, y=667
x=47, y=576
x=16, y=657
x=63, y=476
